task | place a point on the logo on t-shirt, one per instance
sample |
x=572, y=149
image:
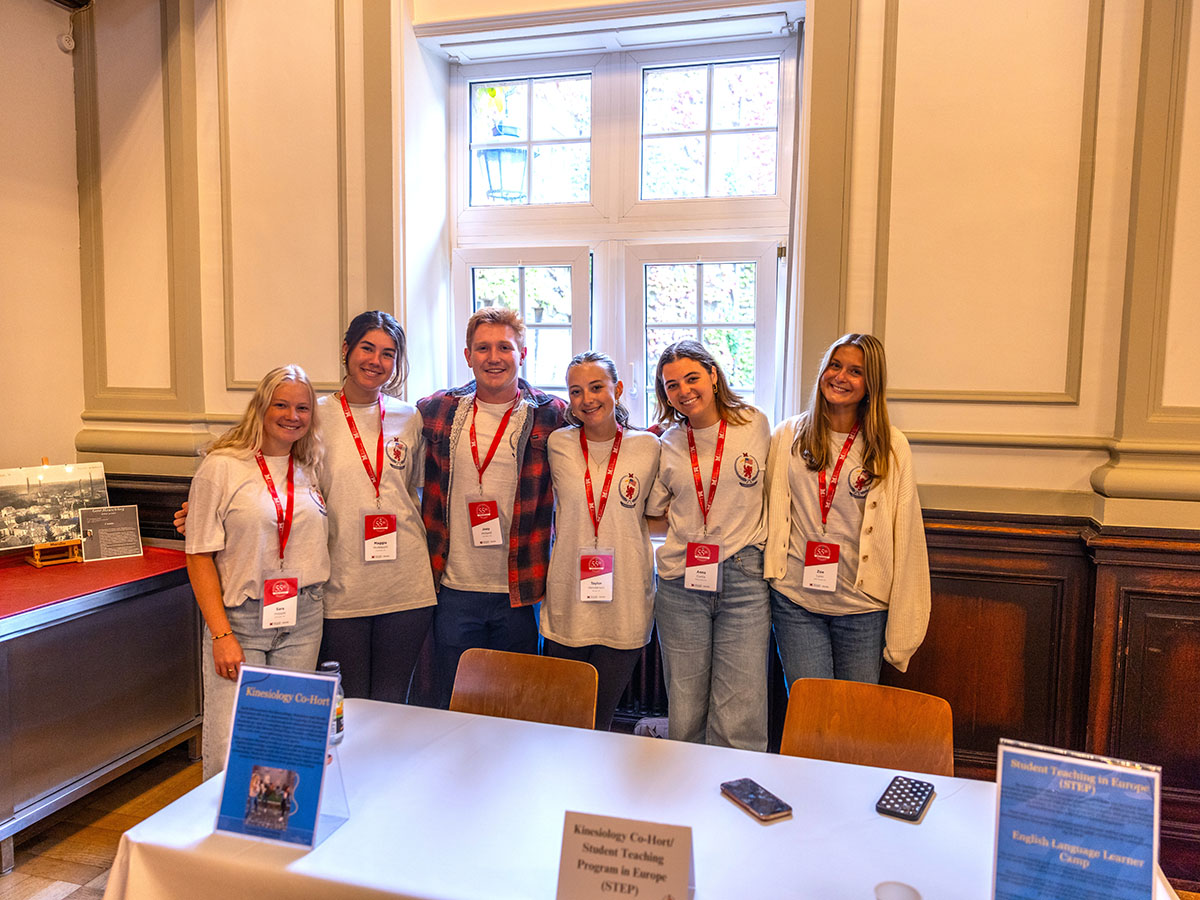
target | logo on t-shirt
x=630, y=489
x=315, y=493
x=397, y=453
x=747, y=469
x=860, y=482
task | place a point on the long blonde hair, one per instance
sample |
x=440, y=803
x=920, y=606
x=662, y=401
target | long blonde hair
x=730, y=407
x=246, y=437
x=812, y=434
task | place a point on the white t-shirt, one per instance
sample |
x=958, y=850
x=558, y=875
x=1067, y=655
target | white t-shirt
x=357, y=587
x=738, y=517
x=471, y=568
x=231, y=513
x=625, y=623
x=843, y=527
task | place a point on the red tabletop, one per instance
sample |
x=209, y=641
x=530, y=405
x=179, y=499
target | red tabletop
x=24, y=587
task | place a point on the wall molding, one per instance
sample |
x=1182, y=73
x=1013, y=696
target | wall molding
x=232, y=382
x=1070, y=392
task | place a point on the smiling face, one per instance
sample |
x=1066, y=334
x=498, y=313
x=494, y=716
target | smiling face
x=495, y=357
x=690, y=391
x=370, y=364
x=287, y=419
x=844, y=382
x=594, y=395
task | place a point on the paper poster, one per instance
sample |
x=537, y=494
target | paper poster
x=110, y=532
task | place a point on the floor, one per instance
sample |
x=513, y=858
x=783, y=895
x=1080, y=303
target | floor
x=68, y=854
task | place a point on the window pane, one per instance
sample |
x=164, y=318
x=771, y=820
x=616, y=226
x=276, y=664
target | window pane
x=672, y=167
x=734, y=350
x=549, y=352
x=657, y=340
x=562, y=173
x=498, y=176
x=548, y=294
x=674, y=100
x=742, y=164
x=746, y=95
x=562, y=108
x=499, y=111
x=497, y=286
x=729, y=292
x=671, y=293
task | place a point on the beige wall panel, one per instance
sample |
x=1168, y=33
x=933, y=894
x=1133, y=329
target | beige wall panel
x=40, y=341
x=1181, y=387
x=1016, y=468
x=985, y=170
x=425, y=11
x=133, y=190
x=282, y=190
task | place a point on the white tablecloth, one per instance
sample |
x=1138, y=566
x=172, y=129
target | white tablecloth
x=459, y=807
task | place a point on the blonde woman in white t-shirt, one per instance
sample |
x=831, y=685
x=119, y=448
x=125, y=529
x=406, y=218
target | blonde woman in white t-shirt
x=600, y=589
x=712, y=605
x=846, y=553
x=257, y=552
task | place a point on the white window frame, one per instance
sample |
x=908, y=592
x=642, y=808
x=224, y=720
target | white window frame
x=467, y=258
x=767, y=321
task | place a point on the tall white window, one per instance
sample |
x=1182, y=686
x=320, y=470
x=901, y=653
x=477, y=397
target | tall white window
x=624, y=201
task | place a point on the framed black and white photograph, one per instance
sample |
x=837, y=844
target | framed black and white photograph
x=40, y=504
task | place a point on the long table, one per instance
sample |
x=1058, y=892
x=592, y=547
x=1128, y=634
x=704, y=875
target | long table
x=461, y=807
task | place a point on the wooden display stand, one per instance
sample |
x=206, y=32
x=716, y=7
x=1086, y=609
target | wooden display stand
x=55, y=553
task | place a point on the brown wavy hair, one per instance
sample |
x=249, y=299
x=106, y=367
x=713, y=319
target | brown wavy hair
x=385, y=322
x=731, y=407
x=812, y=434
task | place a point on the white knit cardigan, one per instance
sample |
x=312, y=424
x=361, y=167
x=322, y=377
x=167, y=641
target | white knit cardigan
x=893, y=560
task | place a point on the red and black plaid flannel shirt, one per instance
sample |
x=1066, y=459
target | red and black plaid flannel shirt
x=533, y=506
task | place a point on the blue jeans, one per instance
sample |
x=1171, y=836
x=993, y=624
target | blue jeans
x=294, y=647
x=812, y=645
x=714, y=647
x=466, y=619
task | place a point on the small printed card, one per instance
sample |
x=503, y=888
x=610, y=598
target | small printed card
x=485, y=523
x=1073, y=824
x=596, y=575
x=280, y=591
x=702, y=567
x=275, y=770
x=379, y=536
x=603, y=857
x=821, y=565
x=110, y=532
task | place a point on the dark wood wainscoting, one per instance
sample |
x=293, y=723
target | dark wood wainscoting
x=156, y=497
x=1008, y=637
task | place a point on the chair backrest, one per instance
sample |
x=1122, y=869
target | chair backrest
x=523, y=686
x=870, y=725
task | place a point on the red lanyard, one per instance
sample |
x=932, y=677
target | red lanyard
x=495, y=440
x=284, y=519
x=827, y=496
x=597, y=514
x=376, y=474
x=716, y=472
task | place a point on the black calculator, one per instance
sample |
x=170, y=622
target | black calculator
x=905, y=798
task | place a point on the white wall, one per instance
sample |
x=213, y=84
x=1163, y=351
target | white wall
x=41, y=347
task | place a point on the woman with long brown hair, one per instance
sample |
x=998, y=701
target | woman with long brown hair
x=846, y=553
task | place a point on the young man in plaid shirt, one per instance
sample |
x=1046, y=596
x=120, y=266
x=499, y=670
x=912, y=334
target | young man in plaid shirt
x=488, y=499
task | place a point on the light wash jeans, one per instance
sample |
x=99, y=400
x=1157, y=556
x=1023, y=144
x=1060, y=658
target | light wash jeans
x=813, y=645
x=294, y=647
x=714, y=647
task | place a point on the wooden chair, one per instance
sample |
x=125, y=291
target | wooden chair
x=523, y=686
x=870, y=725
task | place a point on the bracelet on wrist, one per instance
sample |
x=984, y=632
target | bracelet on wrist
x=217, y=637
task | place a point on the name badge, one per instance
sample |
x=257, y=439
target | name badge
x=702, y=568
x=820, y=566
x=596, y=575
x=485, y=523
x=379, y=536
x=280, y=590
